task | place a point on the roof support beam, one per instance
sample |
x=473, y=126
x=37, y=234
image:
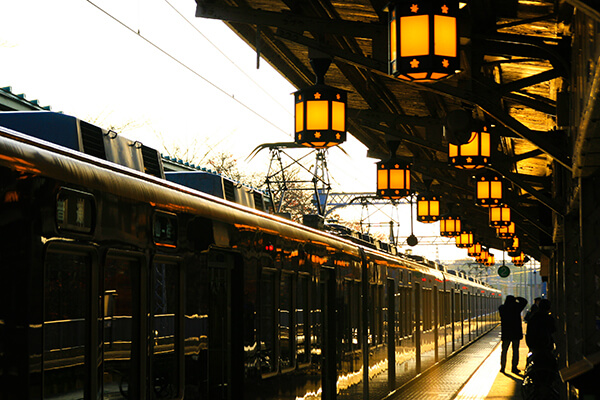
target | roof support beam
x=529, y=81
x=545, y=200
x=403, y=136
x=288, y=20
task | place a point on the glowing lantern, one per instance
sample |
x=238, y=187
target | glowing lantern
x=320, y=112
x=506, y=232
x=450, y=226
x=490, y=260
x=472, y=155
x=499, y=216
x=464, y=240
x=423, y=39
x=428, y=208
x=393, y=176
x=519, y=260
x=513, y=247
x=482, y=256
x=475, y=250
x=489, y=189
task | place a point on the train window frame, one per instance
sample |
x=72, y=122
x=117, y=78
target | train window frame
x=91, y=312
x=273, y=274
x=306, y=278
x=286, y=274
x=177, y=263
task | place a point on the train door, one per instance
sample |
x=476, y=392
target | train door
x=418, y=325
x=224, y=345
x=213, y=343
x=436, y=323
x=166, y=326
x=121, y=354
x=329, y=359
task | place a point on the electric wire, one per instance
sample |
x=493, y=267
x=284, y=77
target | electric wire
x=287, y=110
x=181, y=63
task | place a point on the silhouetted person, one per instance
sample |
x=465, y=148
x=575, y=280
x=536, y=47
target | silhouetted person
x=540, y=328
x=512, y=330
x=533, y=309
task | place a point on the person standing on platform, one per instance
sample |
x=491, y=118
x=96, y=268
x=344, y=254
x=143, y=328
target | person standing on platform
x=540, y=328
x=511, y=329
x=533, y=309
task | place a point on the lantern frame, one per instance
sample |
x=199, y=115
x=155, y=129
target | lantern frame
x=423, y=39
x=475, y=250
x=519, y=259
x=489, y=189
x=482, y=256
x=490, y=260
x=464, y=239
x=474, y=154
x=390, y=171
x=428, y=207
x=320, y=116
x=506, y=232
x=450, y=225
x=500, y=216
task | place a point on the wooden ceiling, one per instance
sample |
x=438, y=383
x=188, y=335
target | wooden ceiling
x=515, y=71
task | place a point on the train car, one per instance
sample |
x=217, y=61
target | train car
x=119, y=284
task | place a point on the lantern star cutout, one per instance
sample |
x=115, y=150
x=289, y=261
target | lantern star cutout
x=337, y=96
x=338, y=136
x=317, y=95
x=445, y=63
x=469, y=160
x=414, y=63
x=414, y=8
x=317, y=135
x=444, y=9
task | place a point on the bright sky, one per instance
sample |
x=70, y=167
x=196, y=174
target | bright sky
x=182, y=80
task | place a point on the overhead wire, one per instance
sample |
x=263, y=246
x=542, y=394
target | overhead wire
x=286, y=109
x=184, y=65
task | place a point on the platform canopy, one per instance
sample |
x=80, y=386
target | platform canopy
x=514, y=76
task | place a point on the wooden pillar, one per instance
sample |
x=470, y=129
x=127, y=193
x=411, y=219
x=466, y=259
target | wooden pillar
x=589, y=212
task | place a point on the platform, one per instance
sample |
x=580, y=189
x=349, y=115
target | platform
x=471, y=374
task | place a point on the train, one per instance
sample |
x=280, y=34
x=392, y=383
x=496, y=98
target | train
x=120, y=283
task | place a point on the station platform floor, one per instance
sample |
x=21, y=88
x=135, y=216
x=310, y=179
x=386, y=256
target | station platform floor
x=472, y=374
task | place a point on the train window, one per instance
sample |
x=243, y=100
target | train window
x=285, y=321
x=268, y=360
x=120, y=326
x=165, y=321
x=66, y=305
x=302, y=344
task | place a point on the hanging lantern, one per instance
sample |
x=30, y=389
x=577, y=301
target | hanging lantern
x=393, y=176
x=506, y=232
x=423, y=39
x=472, y=155
x=475, y=250
x=428, y=208
x=320, y=112
x=464, y=240
x=489, y=189
x=490, y=260
x=450, y=226
x=482, y=256
x=320, y=118
x=519, y=259
x=499, y=216
x=513, y=246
